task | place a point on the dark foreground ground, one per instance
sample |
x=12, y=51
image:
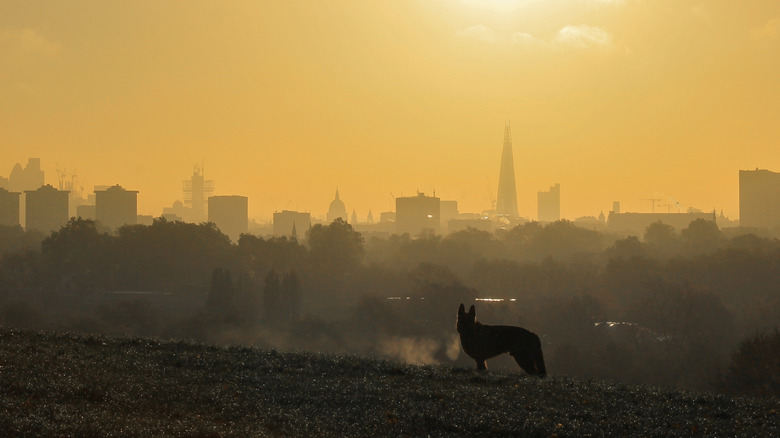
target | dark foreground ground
x=56, y=384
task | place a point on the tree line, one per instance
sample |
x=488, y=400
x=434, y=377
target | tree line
x=669, y=307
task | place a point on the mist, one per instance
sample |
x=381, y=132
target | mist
x=669, y=308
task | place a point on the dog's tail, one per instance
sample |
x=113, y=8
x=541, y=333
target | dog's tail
x=538, y=357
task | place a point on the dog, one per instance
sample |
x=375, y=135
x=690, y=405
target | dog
x=481, y=342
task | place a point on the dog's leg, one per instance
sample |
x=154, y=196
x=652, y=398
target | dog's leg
x=523, y=361
x=529, y=365
x=481, y=364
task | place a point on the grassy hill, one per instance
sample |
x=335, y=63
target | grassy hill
x=63, y=384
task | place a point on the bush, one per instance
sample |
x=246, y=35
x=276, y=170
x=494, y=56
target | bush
x=755, y=367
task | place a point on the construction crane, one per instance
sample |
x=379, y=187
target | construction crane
x=670, y=205
x=653, y=201
x=490, y=196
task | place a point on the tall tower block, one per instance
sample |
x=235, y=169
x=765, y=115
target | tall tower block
x=506, y=202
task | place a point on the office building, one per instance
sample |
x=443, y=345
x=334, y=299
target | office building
x=759, y=198
x=230, y=214
x=9, y=208
x=46, y=209
x=448, y=211
x=115, y=206
x=549, y=204
x=417, y=214
x=22, y=179
x=291, y=223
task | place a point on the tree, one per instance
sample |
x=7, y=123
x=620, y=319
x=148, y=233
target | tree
x=662, y=239
x=459, y=250
x=755, y=367
x=336, y=248
x=78, y=256
x=281, y=298
x=438, y=292
x=291, y=296
x=15, y=239
x=702, y=237
x=20, y=271
x=259, y=255
x=560, y=240
x=271, y=296
x=170, y=255
x=221, y=292
x=626, y=248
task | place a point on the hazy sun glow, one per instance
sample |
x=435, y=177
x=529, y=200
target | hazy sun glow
x=286, y=101
x=499, y=4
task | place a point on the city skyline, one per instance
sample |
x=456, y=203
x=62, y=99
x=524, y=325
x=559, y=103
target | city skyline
x=86, y=198
x=284, y=103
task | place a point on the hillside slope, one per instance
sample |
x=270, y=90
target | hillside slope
x=61, y=384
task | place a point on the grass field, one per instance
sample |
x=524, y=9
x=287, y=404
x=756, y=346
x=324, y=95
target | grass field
x=64, y=384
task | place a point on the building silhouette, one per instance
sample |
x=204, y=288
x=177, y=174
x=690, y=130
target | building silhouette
x=417, y=214
x=9, y=208
x=387, y=217
x=759, y=198
x=86, y=211
x=506, y=201
x=464, y=223
x=636, y=223
x=28, y=178
x=46, y=209
x=549, y=204
x=197, y=191
x=70, y=182
x=177, y=212
x=291, y=223
x=22, y=179
x=337, y=209
x=230, y=214
x=448, y=211
x=115, y=206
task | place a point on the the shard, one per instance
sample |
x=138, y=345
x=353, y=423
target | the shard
x=506, y=202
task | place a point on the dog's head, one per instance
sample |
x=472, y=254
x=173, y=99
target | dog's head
x=465, y=319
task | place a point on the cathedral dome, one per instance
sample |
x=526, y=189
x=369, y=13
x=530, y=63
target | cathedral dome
x=337, y=209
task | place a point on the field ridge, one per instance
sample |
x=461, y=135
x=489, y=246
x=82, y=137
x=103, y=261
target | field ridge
x=69, y=384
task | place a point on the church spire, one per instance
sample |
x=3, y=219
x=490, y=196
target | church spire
x=506, y=202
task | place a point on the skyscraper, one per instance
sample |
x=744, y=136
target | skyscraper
x=115, y=206
x=28, y=178
x=759, y=198
x=230, y=213
x=549, y=204
x=506, y=202
x=46, y=209
x=415, y=214
x=9, y=208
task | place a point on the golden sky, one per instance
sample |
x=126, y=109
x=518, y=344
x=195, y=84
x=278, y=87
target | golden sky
x=285, y=101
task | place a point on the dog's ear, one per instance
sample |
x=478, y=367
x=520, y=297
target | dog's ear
x=461, y=309
x=472, y=311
